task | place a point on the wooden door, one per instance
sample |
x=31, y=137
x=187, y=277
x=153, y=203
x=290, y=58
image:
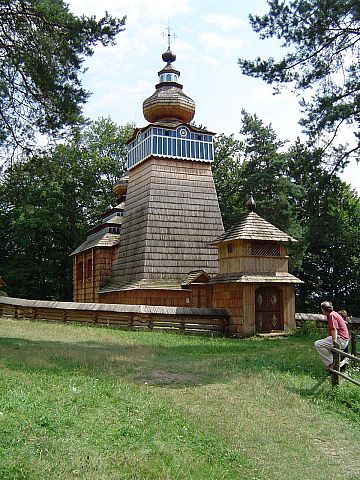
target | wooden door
x=268, y=309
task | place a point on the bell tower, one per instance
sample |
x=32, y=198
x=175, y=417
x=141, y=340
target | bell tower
x=171, y=213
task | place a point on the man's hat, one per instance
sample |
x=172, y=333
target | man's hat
x=327, y=306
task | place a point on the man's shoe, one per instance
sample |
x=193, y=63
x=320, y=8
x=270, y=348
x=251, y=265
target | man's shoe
x=344, y=364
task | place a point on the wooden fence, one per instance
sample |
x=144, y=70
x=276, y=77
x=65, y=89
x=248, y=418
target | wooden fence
x=336, y=373
x=191, y=320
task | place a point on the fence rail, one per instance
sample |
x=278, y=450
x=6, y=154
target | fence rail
x=191, y=320
x=336, y=373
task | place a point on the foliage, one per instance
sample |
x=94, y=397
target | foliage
x=331, y=267
x=322, y=38
x=100, y=404
x=311, y=328
x=42, y=49
x=48, y=202
x=228, y=177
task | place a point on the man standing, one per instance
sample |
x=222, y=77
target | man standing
x=338, y=333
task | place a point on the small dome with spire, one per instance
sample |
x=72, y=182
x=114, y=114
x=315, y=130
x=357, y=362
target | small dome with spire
x=169, y=102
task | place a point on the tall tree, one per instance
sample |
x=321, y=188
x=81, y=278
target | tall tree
x=42, y=49
x=322, y=38
x=227, y=171
x=265, y=173
x=48, y=202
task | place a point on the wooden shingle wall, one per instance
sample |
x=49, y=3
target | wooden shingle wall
x=171, y=216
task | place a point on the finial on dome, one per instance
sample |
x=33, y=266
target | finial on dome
x=169, y=56
x=169, y=36
x=251, y=204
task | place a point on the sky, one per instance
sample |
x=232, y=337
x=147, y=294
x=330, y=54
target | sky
x=210, y=37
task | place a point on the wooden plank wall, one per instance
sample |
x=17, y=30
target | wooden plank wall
x=231, y=296
x=102, y=260
x=169, y=298
x=204, y=321
x=197, y=296
x=240, y=260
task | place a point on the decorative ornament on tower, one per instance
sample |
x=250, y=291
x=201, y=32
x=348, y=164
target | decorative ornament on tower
x=251, y=204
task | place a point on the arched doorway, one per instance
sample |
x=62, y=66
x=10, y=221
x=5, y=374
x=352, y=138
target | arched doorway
x=268, y=309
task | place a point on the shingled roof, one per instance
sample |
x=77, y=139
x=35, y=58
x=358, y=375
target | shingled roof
x=105, y=241
x=264, y=277
x=253, y=227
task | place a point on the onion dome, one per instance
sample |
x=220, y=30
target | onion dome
x=251, y=204
x=169, y=102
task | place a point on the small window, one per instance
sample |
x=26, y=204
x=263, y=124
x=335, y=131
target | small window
x=79, y=272
x=168, y=77
x=265, y=249
x=230, y=248
x=89, y=269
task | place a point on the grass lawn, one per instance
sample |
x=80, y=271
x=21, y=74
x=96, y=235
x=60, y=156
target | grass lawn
x=91, y=403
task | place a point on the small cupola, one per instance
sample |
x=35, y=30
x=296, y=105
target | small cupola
x=168, y=74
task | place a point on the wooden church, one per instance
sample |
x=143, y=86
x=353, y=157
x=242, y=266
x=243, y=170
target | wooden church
x=164, y=242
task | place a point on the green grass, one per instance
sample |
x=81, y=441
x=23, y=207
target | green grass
x=91, y=403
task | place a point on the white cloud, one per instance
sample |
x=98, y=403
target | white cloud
x=228, y=45
x=224, y=22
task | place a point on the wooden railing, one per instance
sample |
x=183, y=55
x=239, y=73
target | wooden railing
x=195, y=320
x=336, y=373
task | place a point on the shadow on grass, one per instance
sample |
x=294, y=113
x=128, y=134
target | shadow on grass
x=191, y=363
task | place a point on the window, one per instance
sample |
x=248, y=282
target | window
x=265, y=249
x=89, y=269
x=79, y=272
x=230, y=248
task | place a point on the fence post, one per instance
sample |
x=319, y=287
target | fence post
x=353, y=341
x=336, y=366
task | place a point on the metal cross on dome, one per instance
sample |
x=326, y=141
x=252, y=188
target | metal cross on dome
x=169, y=35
